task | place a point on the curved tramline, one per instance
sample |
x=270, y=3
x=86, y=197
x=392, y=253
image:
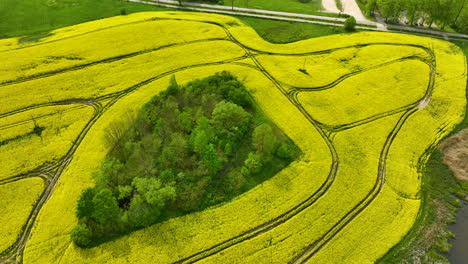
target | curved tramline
x=299, y=215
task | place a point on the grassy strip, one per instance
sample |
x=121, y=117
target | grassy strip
x=464, y=46
x=313, y=7
x=286, y=32
x=37, y=17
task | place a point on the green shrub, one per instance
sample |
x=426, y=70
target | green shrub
x=350, y=24
x=81, y=235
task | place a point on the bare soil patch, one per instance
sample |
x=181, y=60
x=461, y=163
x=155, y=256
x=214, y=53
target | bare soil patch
x=455, y=150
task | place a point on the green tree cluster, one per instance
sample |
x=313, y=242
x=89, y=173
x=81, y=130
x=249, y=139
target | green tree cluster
x=441, y=12
x=188, y=148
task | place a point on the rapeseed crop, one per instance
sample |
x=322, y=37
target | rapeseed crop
x=364, y=109
x=18, y=199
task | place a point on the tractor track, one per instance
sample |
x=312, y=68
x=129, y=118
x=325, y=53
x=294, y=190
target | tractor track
x=15, y=252
x=103, y=61
x=335, y=161
x=317, y=245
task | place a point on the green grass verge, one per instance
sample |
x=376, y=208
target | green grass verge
x=464, y=46
x=285, y=32
x=33, y=19
x=293, y=6
x=20, y=18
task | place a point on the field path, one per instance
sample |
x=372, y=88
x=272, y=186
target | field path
x=330, y=6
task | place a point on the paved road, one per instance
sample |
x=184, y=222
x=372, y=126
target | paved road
x=296, y=17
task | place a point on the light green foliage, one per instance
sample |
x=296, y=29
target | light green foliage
x=211, y=160
x=230, y=118
x=105, y=207
x=124, y=192
x=153, y=192
x=253, y=163
x=264, y=140
x=234, y=180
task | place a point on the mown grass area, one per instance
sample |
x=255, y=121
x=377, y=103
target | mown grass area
x=294, y=6
x=34, y=19
x=464, y=46
x=19, y=18
x=286, y=32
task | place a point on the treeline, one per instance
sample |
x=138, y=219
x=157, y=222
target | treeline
x=444, y=13
x=189, y=148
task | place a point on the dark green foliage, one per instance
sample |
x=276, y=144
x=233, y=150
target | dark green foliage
x=253, y=163
x=85, y=207
x=263, y=140
x=350, y=24
x=105, y=207
x=81, y=235
x=37, y=130
x=191, y=147
x=287, y=151
x=453, y=13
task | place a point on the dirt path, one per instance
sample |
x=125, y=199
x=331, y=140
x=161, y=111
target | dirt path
x=350, y=7
x=330, y=6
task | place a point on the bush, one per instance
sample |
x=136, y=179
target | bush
x=123, y=11
x=81, y=235
x=234, y=181
x=350, y=24
x=286, y=151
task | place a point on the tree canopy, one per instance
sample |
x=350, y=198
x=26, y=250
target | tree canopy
x=188, y=148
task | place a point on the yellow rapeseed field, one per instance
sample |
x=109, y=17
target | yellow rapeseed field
x=61, y=126
x=363, y=108
x=17, y=199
